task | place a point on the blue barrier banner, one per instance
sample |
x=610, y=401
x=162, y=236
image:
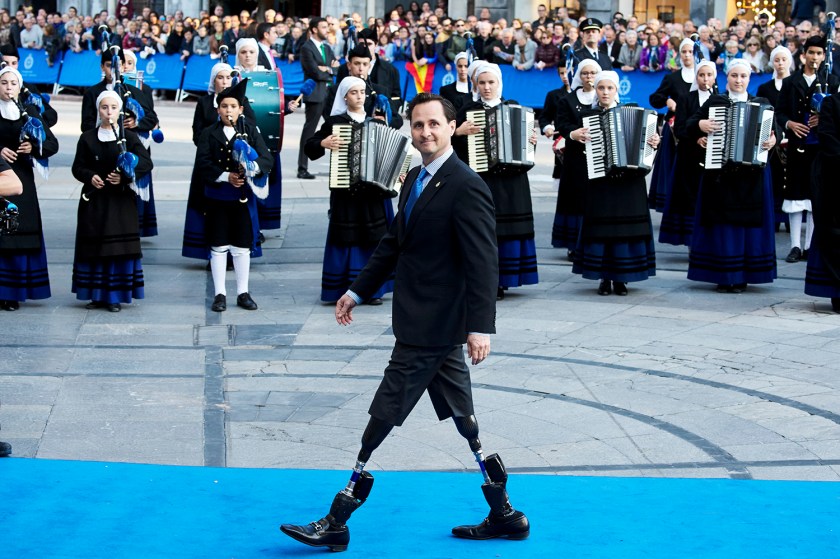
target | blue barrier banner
x=33, y=66
x=197, y=74
x=80, y=69
x=162, y=71
x=529, y=88
x=292, y=77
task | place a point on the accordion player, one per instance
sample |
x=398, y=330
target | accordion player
x=618, y=141
x=371, y=152
x=504, y=141
x=739, y=139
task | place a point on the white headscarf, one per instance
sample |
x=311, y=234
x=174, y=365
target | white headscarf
x=607, y=75
x=685, y=42
x=130, y=54
x=9, y=109
x=686, y=73
x=211, y=88
x=459, y=56
x=107, y=94
x=483, y=69
x=782, y=50
x=735, y=62
x=246, y=41
x=577, y=82
x=339, y=104
x=702, y=64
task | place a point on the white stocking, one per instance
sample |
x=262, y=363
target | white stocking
x=218, y=267
x=795, y=219
x=809, y=230
x=242, y=267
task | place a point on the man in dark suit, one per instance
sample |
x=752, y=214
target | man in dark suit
x=590, y=31
x=610, y=46
x=381, y=72
x=442, y=247
x=318, y=63
x=266, y=35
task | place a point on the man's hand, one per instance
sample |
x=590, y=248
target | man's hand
x=478, y=347
x=344, y=311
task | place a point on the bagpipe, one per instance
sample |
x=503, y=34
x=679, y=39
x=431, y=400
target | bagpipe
x=126, y=161
x=9, y=217
x=131, y=107
x=571, y=61
x=246, y=156
x=33, y=132
x=819, y=95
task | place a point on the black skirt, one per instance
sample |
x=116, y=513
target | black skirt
x=228, y=223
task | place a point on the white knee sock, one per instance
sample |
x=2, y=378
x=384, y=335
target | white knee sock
x=218, y=266
x=795, y=220
x=809, y=230
x=242, y=267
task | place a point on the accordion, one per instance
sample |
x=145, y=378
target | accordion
x=371, y=152
x=618, y=141
x=744, y=127
x=505, y=140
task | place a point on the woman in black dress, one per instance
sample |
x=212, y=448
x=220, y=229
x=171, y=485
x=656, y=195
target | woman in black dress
x=107, y=267
x=359, y=216
x=510, y=188
x=23, y=256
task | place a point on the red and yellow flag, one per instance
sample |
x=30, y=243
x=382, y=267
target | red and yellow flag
x=423, y=76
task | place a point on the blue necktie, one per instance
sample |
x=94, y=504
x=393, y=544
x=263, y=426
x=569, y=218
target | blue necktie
x=415, y=193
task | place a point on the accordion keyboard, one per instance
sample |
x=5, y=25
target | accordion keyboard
x=476, y=146
x=340, y=158
x=596, y=151
x=716, y=143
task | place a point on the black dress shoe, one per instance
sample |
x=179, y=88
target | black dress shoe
x=375, y=302
x=95, y=305
x=244, y=300
x=604, y=288
x=114, y=307
x=738, y=288
x=795, y=255
x=723, y=288
x=305, y=175
x=5, y=449
x=317, y=536
x=515, y=526
x=9, y=305
x=619, y=288
x=219, y=303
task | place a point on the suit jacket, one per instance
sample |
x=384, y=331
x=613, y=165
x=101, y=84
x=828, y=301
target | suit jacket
x=603, y=59
x=795, y=101
x=445, y=259
x=262, y=58
x=310, y=58
x=612, y=52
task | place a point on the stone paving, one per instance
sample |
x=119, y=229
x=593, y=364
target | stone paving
x=673, y=380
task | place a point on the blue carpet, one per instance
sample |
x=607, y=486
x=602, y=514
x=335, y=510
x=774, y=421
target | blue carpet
x=55, y=509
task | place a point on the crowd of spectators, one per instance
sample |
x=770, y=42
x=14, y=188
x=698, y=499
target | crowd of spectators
x=417, y=33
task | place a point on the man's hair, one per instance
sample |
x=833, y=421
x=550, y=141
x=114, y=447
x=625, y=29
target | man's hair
x=313, y=23
x=262, y=29
x=421, y=98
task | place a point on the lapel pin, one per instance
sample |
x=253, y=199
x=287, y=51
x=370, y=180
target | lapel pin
x=437, y=185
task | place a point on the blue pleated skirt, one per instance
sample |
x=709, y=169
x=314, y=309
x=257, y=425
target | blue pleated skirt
x=147, y=215
x=566, y=227
x=663, y=171
x=269, y=210
x=342, y=265
x=24, y=275
x=733, y=254
x=675, y=228
x=109, y=281
x=819, y=282
x=517, y=263
x=622, y=261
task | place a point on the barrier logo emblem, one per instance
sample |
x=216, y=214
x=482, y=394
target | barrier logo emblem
x=624, y=86
x=29, y=62
x=151, y=67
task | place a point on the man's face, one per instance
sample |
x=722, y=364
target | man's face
x=229, y=110
x=609, y=34
x=790, y=32
x=359, y=67
x=431, y=133
x=814, y=56
x=219, y=11
x=541, y=12
x=591, y=36
x=460, y=27
x=88, y=21
x=371, y=45
x=323, y=30
x=11, y=61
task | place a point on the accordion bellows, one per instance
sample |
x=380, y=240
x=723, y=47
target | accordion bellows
x=618, y=141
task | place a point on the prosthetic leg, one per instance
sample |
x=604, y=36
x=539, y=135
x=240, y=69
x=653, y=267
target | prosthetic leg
x=332, y=531
x=503, y=521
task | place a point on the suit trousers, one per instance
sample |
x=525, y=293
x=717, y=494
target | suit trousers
x=313, y=115
x=413, y=370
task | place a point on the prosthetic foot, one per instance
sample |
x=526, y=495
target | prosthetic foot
x=332, y=531
x=503, y=521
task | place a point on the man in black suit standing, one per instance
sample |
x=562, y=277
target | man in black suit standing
x=442, y=247
x=591, y=33
x=266, y=35
x=318, y=63
x=610, y=46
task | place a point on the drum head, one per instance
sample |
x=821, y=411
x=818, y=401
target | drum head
x=265, y=93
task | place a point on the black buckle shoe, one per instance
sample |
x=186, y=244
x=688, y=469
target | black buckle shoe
x=795, y=255
x=619, y=288
x=605, y=287
x=316, y=535
x=219, y=303
x=305, y=175
x=514, y=526
x=244, y=300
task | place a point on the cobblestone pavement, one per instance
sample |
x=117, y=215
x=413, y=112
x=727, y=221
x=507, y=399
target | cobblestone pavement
x=673, y=380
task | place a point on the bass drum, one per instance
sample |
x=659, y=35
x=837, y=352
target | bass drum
x=265, y=93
